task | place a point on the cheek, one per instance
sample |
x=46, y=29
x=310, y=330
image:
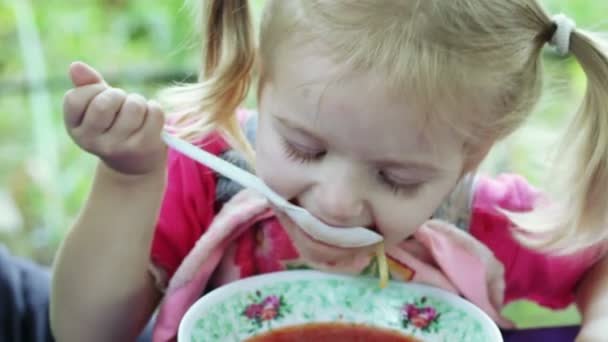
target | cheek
x=399, y=219
x=284, y=176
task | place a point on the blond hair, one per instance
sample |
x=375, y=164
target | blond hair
x=474, y=64
x=227, y=38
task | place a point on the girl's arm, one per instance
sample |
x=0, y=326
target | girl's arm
x=101, y=289
x=592, y=300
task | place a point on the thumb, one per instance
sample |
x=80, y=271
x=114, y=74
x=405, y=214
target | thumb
x=81, y=74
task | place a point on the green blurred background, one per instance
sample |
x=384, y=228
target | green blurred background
x=142, y=46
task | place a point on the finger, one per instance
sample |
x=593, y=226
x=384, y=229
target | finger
x=154, y=122
x=76, y=102
x=130, y=118
x=149, y=133
x=102, y=111
x=82, y=74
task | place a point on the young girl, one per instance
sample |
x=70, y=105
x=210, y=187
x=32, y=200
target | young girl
x=371, y=113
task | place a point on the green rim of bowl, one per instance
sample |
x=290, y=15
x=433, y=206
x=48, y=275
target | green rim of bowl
x=259, y=304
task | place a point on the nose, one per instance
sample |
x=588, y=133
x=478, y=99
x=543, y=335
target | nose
x=339, y=202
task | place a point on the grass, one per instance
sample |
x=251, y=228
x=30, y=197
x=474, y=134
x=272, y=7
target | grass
x=529, y=315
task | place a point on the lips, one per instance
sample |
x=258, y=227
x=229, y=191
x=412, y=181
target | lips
x=322, y=255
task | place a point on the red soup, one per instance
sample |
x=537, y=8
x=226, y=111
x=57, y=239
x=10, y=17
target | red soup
x=331, y=332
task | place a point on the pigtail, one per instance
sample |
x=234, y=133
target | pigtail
x=227, y=61
x=580, y=219
x=587, y=141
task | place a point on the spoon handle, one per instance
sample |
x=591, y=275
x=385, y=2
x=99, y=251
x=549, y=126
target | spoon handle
x=223, y=167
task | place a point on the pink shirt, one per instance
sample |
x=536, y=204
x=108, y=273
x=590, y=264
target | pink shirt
x=549, y=280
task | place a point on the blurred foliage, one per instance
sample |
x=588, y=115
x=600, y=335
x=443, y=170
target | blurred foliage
x=141, y=46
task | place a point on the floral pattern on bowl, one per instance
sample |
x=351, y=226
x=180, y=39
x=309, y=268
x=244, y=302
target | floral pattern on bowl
x=265, y=309
x=422, y=317
x=259, y=304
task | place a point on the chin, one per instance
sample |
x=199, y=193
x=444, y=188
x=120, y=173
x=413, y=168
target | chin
x=319, y=252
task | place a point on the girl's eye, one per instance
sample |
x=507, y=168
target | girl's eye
x=398, y=188
x=301, y=154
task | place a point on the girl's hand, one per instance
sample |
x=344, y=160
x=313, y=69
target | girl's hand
x=123, y=130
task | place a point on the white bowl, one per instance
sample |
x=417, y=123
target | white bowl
x=259, y=304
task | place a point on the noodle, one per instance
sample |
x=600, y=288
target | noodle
x=382, y=265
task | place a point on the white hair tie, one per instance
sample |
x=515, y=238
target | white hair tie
x=561, y=37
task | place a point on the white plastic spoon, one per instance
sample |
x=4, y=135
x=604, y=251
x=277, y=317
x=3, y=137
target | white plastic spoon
x=341, y=237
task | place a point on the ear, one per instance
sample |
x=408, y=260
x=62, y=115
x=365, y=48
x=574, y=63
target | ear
x=476, y=157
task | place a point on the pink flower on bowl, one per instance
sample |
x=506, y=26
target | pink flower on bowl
x=268, y=313
x=418, y=315
x=253, y=311
x=265, y=309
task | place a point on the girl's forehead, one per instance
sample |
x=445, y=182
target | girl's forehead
x=448, y=95
x=355, y=111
